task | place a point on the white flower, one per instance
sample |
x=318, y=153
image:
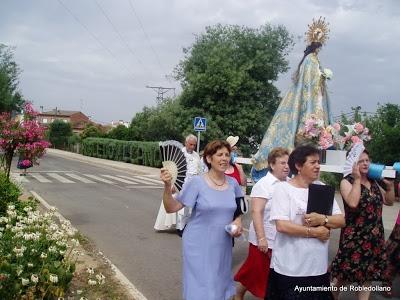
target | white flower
x=78, y=292
x=34, y=278
x=83, y=298
x=100, y=278
x=52, y=249
x=90, y=270
x=53, y=278
x=75, y=243
x=92, y=282
x=24, y=281
x=30, y=265
x=328, y=73
x=11, y=207
x=43, y=255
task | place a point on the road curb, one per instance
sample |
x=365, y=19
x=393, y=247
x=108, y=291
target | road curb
x=131, y=289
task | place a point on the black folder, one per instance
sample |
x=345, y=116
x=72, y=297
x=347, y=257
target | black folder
x=320, y=199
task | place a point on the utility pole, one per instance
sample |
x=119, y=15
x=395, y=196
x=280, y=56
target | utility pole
x=161, y=91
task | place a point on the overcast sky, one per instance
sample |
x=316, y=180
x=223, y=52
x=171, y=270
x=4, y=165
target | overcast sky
x=98, y=56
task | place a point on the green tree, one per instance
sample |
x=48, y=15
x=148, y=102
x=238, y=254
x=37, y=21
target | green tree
x=119, y=133
x=58, y=133
x=227, y=75
x=158, y=123
x=10, y=98
x=385, y=131
x=92, y=130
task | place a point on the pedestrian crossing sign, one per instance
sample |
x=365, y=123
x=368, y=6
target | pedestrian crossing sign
x=200, y=124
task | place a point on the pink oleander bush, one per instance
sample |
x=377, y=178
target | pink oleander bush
x=26, y=137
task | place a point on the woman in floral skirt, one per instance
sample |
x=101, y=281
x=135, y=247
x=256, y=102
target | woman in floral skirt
x=361, y=257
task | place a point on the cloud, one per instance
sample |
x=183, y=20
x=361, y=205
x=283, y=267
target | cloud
x=83, y=59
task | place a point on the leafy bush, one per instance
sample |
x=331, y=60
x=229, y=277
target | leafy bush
x=141, y=153
x=332, y=179
x=37, y=256
x=9, y=193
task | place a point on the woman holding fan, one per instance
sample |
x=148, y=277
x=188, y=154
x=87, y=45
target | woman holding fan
x=207, y=247
x=361, y=256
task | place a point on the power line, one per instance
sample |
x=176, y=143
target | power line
x=161, y=91
x=145, y=34
x=118, y=33
x=95, y=37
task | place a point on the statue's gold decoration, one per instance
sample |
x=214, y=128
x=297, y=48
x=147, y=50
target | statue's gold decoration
x=317, y=31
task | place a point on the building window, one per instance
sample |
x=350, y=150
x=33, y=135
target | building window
x=44, y=121
x=65, y=120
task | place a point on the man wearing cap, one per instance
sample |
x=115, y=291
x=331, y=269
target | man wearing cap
x=235, y=170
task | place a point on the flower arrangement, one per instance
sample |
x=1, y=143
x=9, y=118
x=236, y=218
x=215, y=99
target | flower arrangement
x=337, y=136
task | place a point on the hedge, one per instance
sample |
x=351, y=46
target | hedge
x=139, y=153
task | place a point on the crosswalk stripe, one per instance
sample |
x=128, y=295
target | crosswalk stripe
x=77, y=177
x=149, y=179
x=98, y=178
x=137, y=179
x=40, y=178
x=59, y=178
x=119, y=179
x=19, y=178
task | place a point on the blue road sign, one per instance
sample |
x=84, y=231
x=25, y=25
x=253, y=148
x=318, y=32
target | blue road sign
x=200, y=124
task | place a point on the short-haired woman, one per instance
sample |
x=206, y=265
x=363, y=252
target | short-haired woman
x=207, y=247
x=253, y=275
x=300, y=255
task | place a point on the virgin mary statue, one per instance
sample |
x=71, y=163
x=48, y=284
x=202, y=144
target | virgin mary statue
x=307, y=96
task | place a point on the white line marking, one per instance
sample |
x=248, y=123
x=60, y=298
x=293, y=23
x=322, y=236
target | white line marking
x=137, y=179
x=77, y=177
x=132, y=290
x=98, y=178
x=150, y=179
x=59, y=178
x=119, y=179
x=145, y=187
x=40, y=178
x=18, y=178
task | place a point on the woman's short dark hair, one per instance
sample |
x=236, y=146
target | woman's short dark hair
x=299, y=156
x=212, y=148
x=310, y=49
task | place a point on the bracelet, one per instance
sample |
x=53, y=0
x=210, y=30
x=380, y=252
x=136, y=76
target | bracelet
x=263, y=238
x=308, y=231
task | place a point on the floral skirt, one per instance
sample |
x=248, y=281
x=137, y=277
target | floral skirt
x=393, y=253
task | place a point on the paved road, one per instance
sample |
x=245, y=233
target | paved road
x=115, y=204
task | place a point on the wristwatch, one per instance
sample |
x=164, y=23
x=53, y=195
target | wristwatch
x=326, y=220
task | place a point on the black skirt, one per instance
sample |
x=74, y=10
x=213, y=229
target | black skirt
x=281, y=287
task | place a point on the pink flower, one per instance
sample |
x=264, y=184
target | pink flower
x=355, y=139
x=336, y=126
x=358, y=128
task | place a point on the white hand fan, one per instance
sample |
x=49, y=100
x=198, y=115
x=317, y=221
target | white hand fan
x=352, y=158
x=174, y=160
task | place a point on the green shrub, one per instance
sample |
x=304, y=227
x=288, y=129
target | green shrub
x=9, y=193
x=332, y=179
x=141, y=153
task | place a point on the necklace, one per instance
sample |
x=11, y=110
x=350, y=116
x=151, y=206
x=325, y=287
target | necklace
x=217, y=184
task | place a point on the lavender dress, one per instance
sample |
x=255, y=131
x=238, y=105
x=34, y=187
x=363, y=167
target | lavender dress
x=207, y=247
